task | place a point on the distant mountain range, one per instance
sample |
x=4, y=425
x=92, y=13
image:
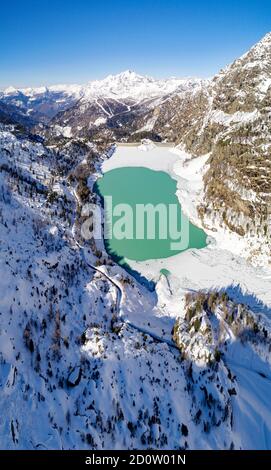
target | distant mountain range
x=43, y=103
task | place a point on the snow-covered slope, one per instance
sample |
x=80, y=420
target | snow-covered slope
x=88, y=359
x=92, y=358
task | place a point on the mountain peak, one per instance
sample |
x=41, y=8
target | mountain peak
x=128, y=73
x=261, y=51
x=129, y=84
x=266, y=38
x=10, y=90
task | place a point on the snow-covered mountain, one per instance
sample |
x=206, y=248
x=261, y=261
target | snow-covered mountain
x=114, y=108
x=40, y=104
x=88, y=359
x=128, y=84
x=89, y=356
x=43, y=103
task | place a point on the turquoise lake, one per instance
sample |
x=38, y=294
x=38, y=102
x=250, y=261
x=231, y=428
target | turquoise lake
x=135, y=186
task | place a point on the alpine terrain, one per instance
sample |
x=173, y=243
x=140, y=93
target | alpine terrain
x=97, y=356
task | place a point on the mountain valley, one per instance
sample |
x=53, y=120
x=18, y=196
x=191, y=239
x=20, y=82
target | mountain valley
x=171, y=353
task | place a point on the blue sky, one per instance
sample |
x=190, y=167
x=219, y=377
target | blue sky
x=73, y=41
